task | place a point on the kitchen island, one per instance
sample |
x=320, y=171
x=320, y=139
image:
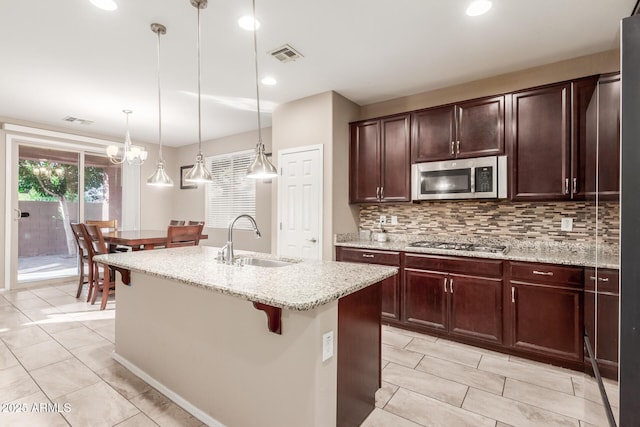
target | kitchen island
x=195, y=329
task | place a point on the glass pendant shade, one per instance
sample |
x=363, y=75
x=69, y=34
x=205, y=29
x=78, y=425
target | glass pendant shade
x=160, y=177
x=261, y=168
x=199, y=171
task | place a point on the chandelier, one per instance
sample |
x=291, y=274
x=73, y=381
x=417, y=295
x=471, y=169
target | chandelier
x=132, y=154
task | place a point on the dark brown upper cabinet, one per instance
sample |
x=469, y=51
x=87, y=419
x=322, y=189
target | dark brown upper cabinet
x=541, y=143
x=596, y=137
x=468, y=129
x=566, y=137
x=380, y=163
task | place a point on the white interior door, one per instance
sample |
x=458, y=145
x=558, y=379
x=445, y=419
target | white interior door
x=300, y=202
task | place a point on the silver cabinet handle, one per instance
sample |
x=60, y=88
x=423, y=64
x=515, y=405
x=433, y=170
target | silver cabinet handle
x=451, y=285
x=602, y=279
x=452, y=148
x=367, y=255
x=566, y=186
x=575, y=185
x=312, y=240
x=378, y=193
x=445, y=285
x=513, y=294
x=457, y=147
x=381, y=193
x=543, y=273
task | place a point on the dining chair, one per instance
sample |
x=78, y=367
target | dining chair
x=97, y=246
x=108, y=225
x=83, y=257
x=183, y=235
x=176, y=222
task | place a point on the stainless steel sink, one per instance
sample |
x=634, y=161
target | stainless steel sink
x=263, y=262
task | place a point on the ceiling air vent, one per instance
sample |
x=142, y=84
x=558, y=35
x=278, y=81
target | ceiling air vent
x=72, y=119
x=285, y=53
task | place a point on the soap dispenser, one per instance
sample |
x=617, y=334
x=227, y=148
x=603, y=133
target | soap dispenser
x=382, y=234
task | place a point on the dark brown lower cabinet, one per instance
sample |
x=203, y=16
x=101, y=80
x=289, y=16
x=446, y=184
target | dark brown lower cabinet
x=601, y=318
x=460, y=305
x=546, y=310
x=534, y=310
x=390, y=287
x=425, y=299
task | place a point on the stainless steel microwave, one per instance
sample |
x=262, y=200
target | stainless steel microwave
x=477, y=178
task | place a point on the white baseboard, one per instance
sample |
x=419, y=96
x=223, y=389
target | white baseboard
x=175, y=397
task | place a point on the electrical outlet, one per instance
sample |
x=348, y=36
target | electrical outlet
x=566, y=224
x=383, y=219
x=327, y=346
x=394, y=220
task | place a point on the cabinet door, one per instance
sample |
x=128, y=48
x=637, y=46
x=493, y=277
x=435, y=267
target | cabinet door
x=433, y=134
x=390, y=287
x=609, y=137
x=541, y=144
x=480, y=129
x=425, y=299
x=364, y=162
x=603, y=332
x=475, y=307
x=596, y=135
x=391, y=297
x=584, y=137
x=396, y=159
x=547, y=320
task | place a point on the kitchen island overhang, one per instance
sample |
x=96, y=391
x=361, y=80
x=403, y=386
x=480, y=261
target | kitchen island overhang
x=188, y=326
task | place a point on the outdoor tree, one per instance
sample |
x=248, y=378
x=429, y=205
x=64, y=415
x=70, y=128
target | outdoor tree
x=59, y=182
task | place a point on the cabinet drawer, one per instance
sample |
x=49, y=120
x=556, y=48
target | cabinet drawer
x=482, y=267
x=369, y=256
x=608, y=280
x=547, y=273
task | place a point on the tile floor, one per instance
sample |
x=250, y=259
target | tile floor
x=55, y=362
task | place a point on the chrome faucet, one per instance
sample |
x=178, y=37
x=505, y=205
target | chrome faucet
x=227, y=250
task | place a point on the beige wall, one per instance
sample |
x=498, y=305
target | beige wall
x=603, y=62
x=189, y=204
x=321, y=119
x=345, y=216
x=224, y=361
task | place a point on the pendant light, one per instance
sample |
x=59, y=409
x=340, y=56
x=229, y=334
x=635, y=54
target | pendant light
x=132, y=154
x=199, y=172
x=159, y=177
x=261, y=168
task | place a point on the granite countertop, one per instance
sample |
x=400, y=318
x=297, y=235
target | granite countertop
x=578, y=254
x=303, y=285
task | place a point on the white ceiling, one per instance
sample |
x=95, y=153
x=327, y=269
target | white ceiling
x=68, y=58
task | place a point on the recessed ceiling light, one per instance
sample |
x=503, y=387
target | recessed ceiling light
x=269, y=81
x=479, y=7
x=105, y=4
x=246, y=23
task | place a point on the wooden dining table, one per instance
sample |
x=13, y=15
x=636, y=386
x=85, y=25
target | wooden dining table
x=138, y=239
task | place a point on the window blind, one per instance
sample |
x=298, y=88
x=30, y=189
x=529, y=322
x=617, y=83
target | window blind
x=231, y=193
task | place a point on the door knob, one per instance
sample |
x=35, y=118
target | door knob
x=312, y=240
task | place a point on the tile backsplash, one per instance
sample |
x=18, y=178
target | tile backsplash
x=521, y=220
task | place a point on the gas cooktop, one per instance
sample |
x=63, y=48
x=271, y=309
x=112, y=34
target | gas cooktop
x=495, y=249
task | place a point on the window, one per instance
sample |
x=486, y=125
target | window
x=231, y=193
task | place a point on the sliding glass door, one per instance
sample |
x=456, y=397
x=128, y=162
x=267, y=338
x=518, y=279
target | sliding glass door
x=56, y=187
